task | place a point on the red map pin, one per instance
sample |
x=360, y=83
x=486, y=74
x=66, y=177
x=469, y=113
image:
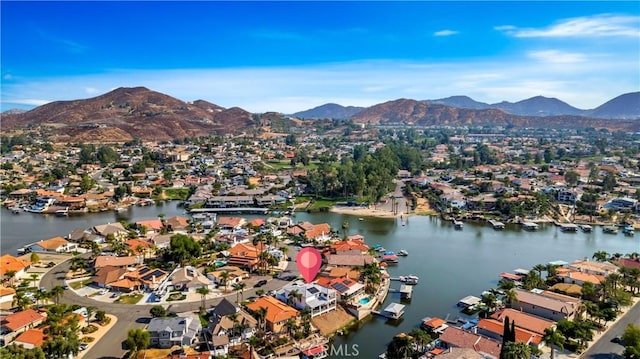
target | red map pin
x=309, y=262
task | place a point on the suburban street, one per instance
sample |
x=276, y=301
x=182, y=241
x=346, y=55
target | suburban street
x=605, y=348
x=137, y=316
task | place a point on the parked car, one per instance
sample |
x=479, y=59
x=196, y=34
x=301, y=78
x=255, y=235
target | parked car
x=84, y=346
x=260, y=283
x=617, y=340
x=103, y=291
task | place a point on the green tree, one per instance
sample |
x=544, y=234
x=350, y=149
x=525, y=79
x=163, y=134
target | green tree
x=137, y=339
x=553, y=339
x=158, y=311
x=35, y=258
x=203, y=291
x=401, y=347
x=631, y=341
x=183, y=248
x=512, y=350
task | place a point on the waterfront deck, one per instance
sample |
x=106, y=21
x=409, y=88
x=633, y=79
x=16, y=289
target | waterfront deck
x=230, y=210
x=392, y=311
x=496, y=224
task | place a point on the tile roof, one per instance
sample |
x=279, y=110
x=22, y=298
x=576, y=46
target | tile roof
x=152, y=224
x=52, y=244
x=462, y=339
x=108, y=274
x=103, y=261
x=34, y=337
x=11, y=263
x=497, y=327
x=276, y=310
x=21, y=319
x=4, y=291
x=523, y=320
x=546, y=301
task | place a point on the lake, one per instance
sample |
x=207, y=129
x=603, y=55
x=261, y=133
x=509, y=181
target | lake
x=451, y=263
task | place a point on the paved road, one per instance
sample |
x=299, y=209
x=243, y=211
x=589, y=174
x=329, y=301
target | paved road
x=137, y=316
x=604, y=348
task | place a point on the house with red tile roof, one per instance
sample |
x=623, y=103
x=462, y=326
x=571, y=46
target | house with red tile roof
x=231, y=224
x=576, y=277
x=278, y=313
x=30, y=339
x=629, y=262
x=152, y=225
x=16, y=323
x=354, y=245
x=523, y=320
x=116, y=261
x=176, y=224
x=107, y=275
x=548, y=305
x=9, y=263
x=347, y=288
x=6, y=297
x=140, y=247
x=245, y=255
x=494, y=329
x=454, y=337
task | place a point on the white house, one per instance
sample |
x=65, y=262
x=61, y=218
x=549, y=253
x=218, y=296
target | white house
x=312, y=296
x=53, y=245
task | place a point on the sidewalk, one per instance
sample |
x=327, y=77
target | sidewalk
x=98, y=334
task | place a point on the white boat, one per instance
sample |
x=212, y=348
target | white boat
x=458, y=225
x=15, y=210
x=360, y=219
x=409, y=279
x=403, y=253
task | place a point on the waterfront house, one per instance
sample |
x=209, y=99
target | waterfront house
x=10, y=264
x=350, y=246
x=349, y=260
x=278, y=313
x=434, y=325
x=346, y=287
x=176, y=224
x=167, y=332
x=53, y=245
x=230, y=224
x=571, y=276
x=523, y=320
x=16, y=323
x=629, y=262
x=316, y=298
x=494, y=329
x=454, y=337
x=547, y=305
x=115, y=229
x=591, y=267
x=162, y=241
x=152, y=225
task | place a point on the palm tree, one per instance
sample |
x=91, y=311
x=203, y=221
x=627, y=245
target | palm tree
x=510, y=296
x=345, y=229
x=9, y=277
x=21, y=301
x=260, y=314
x=293, y=297
x=90, y=311
x=224, y=277
x=513, y=350
x=539, y=268
x=34, y=278
x=56, y=292
x=203, y=291
x=291, y=326
x=420, y=337
x=234, y=319
x=600, y=256
x=490, y=300
x=240, y=287
x=553, y=339
x=400, y=347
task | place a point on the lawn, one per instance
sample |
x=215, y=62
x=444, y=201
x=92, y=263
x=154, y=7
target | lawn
x=129, y=299
x=81, y=283
x=176, y=193
x=321, y=204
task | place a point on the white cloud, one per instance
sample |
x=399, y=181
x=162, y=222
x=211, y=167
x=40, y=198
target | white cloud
x=30, y=102
x=556, y=56
x=588, y=26
x=91, y=90
x=445, y=33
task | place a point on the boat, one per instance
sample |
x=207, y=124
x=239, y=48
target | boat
x=360, y=219
x=610, y=229
x=120, y=209
x=403, y=253
x=62, y=212
x=389, y=258
x=628, y=230
x=568, y=227
x=379, y=248
x=586, y=228
x=409, y=279
x=530, y=226
x=458, y=225
x=15, y=210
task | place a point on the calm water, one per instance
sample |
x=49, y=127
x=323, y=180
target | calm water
x=451, y=264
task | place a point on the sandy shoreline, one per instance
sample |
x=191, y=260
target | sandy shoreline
x=365, y=212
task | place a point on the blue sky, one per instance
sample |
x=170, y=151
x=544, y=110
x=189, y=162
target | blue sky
x=291, y=56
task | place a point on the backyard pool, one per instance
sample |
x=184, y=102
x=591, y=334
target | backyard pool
x=364, y=301
x=219, y=263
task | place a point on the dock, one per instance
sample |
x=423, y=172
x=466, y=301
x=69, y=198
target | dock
x=496, y=224
x=568, y=227
x=468, y=301
x=405, y=291
x=530, y=226
x=409, y=279
x=392, y=311
x=231, y=210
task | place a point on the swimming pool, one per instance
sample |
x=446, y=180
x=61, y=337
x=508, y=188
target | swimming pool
x=219, y=263
x=364, y=300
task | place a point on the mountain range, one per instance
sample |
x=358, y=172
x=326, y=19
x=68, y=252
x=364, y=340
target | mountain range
x=127, y=113
x=625, y=106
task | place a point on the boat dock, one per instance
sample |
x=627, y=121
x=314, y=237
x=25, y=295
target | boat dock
x=496, y=224
x=230, y=210
x=568, y=227
x=409, y=279
x=530, y=226
x=405, y=291
x=392, y=311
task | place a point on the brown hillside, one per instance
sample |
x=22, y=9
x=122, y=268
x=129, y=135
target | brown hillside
x=134, y=112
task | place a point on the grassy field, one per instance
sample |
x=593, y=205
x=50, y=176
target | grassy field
x=80, y=284
x=176, y=193
x=323, y=203
x=129, y=299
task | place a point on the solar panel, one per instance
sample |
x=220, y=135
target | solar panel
x=340, y=287
x=313, y=290
x=144, y=270
x=347, y=281
x=157, y=273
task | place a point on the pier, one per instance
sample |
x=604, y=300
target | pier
x=231, y=210
x=405, y=291
x=409, y=279
x=496, y=224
